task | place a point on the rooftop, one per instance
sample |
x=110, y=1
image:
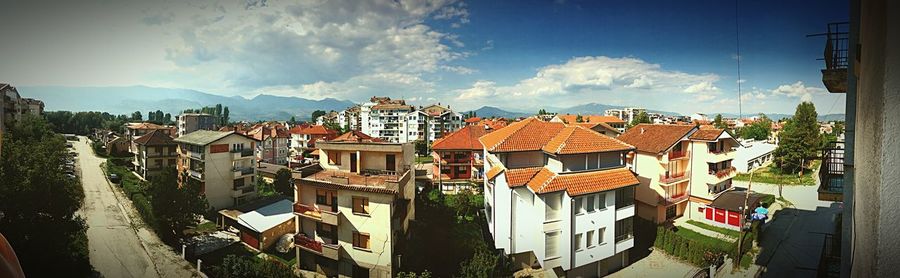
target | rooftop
x=375, y=181
x=580, y=183
x=552, y=137
x=354, y=136
x=154, y=138
x=707, y=134
x=465, y=138
x=205, y=137
x=573, y=118
x=655, y=138
x=267, y=217
x=577, y=139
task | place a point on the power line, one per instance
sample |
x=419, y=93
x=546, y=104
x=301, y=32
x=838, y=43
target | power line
x=737, y=38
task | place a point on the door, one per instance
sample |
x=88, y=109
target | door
x=353, y=163
x=390, y=163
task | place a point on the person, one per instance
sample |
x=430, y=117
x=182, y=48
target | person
x=760, y=213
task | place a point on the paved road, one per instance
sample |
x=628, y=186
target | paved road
x=117, y=249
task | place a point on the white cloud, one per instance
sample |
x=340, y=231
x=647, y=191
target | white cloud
x=705, y=87
x=451, y=12
x=358, y=87
x=798, y=89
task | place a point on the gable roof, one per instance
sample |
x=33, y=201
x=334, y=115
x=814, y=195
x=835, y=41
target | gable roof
x=707, y=134
x=316, y=130
x=267, y=217
x=655, y=138
x=575, y=184
x=355, y=136
x=465, y=138
x=577, y=139
x=144, y=125
x=155, y=138
x=527, y=135
x=205, y=137
x=473, y=120
x=520, y=176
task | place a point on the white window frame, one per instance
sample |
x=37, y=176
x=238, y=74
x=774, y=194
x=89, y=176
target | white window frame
x=577, y=242
x=590, y=239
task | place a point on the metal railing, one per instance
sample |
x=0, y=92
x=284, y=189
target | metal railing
x=671, y=199
x=722, y=173
x=244, y=170
x=831, y=172
x=667, y=178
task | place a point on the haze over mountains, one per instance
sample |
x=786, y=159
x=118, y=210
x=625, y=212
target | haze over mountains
x=125, y=100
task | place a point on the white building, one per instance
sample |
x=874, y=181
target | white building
x=699, y=117
x=350, y=118
x=625, y=114
x=559, y=196
x=190, y=122
x=395, y=121
x=753, y=154
x=222, y=163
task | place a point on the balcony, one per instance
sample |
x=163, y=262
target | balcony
x=676, y=198
x=326, y=215
x=724, y=173
x=385, y=179
x=241, y=191
x=240, y=172
x=331, y=251
x=836, y=56
x=195, y=174
x=722, y=155
x=242, y=154
x=671, y=178
x=831, y=173
x=675, y=155
x=196, y=155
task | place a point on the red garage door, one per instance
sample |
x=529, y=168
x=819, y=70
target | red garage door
x=734, y=219
x=249, y=239
x=709, y=213
x=720, y=216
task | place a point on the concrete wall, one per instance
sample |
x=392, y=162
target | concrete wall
x=876, y=196
x=218, y=172
x=602, y=217
x=272, y=235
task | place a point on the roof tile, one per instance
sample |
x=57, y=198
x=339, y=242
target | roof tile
x=655, y=138
x=465, y=138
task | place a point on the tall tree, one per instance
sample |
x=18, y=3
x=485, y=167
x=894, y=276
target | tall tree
x=136, y=116
x=175, y=208
x=317, y=113
x=799, y=140
x=758, y=130
x=579, y=119
x=283, y=182
x=225, y=119
x=38, y=202
x=718, y=122
x=167, y=118
x=640, y=118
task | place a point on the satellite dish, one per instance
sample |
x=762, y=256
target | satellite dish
x=285, y=243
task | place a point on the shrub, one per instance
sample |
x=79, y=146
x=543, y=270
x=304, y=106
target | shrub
x=691, y=246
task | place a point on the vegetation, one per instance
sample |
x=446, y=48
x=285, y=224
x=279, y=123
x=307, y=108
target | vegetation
x=543, y=112
x=724, y=231
x=221, y=113
x=83, y=123
x=250, y=267
x=718, y=122
x=799, y=141
x=640, y=118
x=316, y=114
x=424, y=274
x=773, y=175
x=758, y=130
x=283, y=182
x=690, y=246
x=263, y=188
x=423, y=149
x=424, y=159
x=38, y=202
x=174, y=207
x=159, y=118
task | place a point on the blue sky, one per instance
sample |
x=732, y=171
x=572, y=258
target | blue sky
x=667, y=55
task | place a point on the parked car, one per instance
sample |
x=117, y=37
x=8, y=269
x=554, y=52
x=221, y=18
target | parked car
x=114, y=178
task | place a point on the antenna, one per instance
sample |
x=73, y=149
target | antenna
x=737, y=38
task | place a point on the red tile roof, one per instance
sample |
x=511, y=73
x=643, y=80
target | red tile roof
x=526, y=135
x=602, y=124
x=465, y=138
x=577, y=139
x=572, y=118
x=317, y=130
x=655, y=138
x=355, y=136
x=521, y=176
x=493, y=172
x=576, y=184
x=707, y=134
x=473, y=120
x=155, y=138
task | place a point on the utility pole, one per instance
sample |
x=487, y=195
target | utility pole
x=739, y=254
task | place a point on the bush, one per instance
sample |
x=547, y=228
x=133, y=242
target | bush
x=142, y=204
x=691, y=246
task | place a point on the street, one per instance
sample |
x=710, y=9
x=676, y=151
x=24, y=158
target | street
x=116, y=248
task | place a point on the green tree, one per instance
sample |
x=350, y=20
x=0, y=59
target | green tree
x=283, y=182
x=225, y=120
x=136, y=116
x=175, y=208
x=579, y=119
x=293, y=120
x=481, y=264
x=758, y=130
x=250, y=267
x=264, y=188
x=38, y=202
x=640, y=118
x=718, y=122
x=317, y=113
x=424, y=274
x=799, y=140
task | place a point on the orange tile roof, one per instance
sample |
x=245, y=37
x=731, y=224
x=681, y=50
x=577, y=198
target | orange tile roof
x=707, y=134
x=576, y=184
x=527, y=135
x=654, y=138
x=572, y=118
x=577, y=139
x=473, y=120
x=602, y=124
x=465, y=138
x=355, y=136
x=493, y=172
x=317, y=130
x=521, y=176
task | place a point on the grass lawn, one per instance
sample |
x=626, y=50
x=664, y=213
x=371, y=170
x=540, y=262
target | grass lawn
x=727, y=232
x=424, y=159
x=695, y=236
x=773, y=175
x=288, y=259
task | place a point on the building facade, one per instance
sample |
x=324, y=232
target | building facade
x=559, y=197
x=273, y=146
x=153, y=152
x=353, y=215
x=190, y=122
x=457, y=158
x=625, y=114
x=223, y=163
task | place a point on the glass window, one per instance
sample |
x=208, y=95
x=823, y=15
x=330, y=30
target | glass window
x=579, y=209
x=590, y=238
x=360, y=240
x=590, y=203
x=361, y=205
x=553, y=202
x=578, y=242
x=602, y=200
x=551, y=244
x=600, y=234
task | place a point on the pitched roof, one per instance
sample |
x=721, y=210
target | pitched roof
x=494, y=171
x=707, y=134
x=205, y=137
x=521, y=176
x=144, y=126
x=465, y=138
x=601, y=124
x=577, y=139
x=317, y=130
x=473, y=120
x=576, y=184
x=654, y=138
x=154, y=138
x=355, y=136
x=572, y=118
x=527, y=135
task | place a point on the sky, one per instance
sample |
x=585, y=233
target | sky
x=679, y=56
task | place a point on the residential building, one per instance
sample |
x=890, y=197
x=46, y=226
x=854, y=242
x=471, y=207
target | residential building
x=135, y=130
x=607, y=125
x=682, y=168
x=154, y=151
x=625, y=114
x=9, y=108
x=700, y=117
x=350, y=118
x=353, y=214
x=304, y=138
x=395, y=121
x=222, y=162
x=261, y=223
x=190, y=122
x=457, y=158
x=559, y=197
x=32, y=106
x=268, y=171
x=273, y=146
x=752, y=154
x=386, y=119
x=328, y=118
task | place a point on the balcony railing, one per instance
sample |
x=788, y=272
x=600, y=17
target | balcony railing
x=326, y=216
x=677, y=198
x=241, y=171
x=195, y=174
x=722, y=173
x=196, y=155
x=836, y=56
x=308, y=243
x=674, y=177
x=623, y=237
x=831, y=173
x=678, y=154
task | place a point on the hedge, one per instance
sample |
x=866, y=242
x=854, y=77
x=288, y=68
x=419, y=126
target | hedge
x=144, y=208
x=695, y=248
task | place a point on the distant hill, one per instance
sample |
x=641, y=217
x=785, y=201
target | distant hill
x=125, y=100
x=490, y=111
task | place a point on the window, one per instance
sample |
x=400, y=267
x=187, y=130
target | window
x=578, y=242
x=579, y=209
x=623, y=229
x=361, y=205
x=360, y=240
x=553, y=203
x=590, y=239
x=551, y=245
x=590, y=203
x=461, y=170
x=600, y=234
x=334, y=158
x=238, y=183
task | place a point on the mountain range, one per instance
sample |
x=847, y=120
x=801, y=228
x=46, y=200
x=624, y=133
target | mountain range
x=125, y=100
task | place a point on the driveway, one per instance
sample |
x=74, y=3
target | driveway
x=118, y=248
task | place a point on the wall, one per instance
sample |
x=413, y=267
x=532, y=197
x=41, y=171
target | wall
x=377, y=224
x=218, y=173
x=592, y=221
x=501, y=206
x=522, y=159
x=272, y=235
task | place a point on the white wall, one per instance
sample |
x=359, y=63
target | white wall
x=593, y=221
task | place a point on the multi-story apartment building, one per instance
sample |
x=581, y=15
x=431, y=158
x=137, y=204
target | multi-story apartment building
x=222, y=162
x=350, y=118
x=682, y=168
x=135, y=130
x=354, y=213
x=458, y=157
x=153, y=152
x=387, y=119
x=625, y=114
x=13, y=107
x=33, y=106
x=395, y=121
x=190, y=122
x=328, y=118
x=559, y=197
x=273, y=146
x=304, y=139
